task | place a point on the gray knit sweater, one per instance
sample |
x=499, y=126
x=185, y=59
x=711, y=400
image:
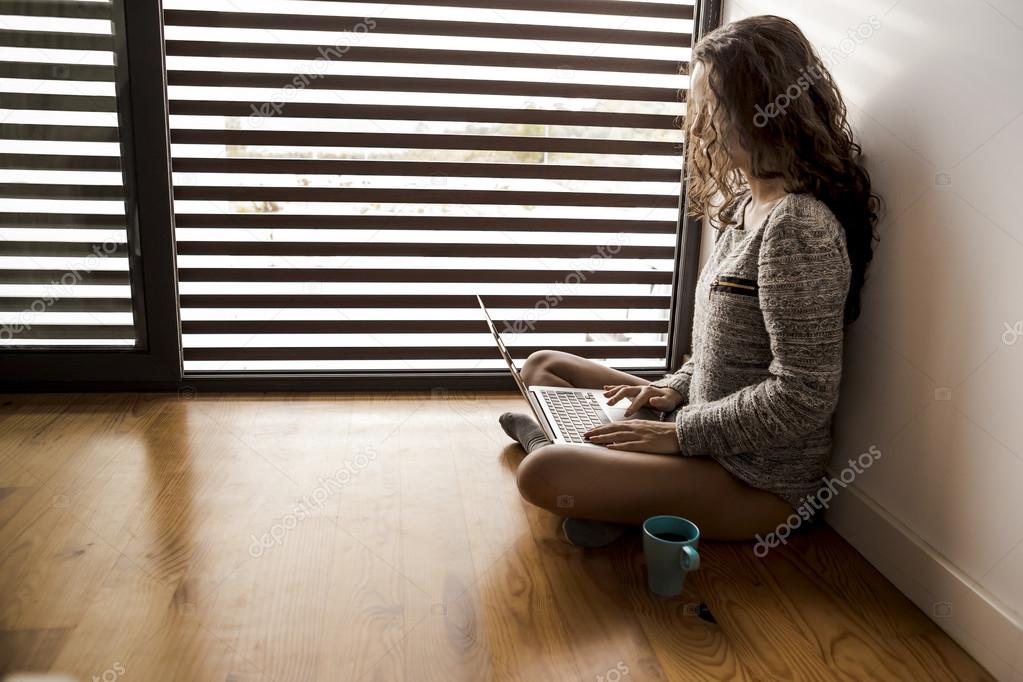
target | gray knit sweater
x=762, y=383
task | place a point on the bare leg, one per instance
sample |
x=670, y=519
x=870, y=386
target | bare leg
x=626, y=487
x=555, y=368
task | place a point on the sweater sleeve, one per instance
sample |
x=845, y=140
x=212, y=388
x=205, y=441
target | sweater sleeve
x=803, y=278
x=679, y=381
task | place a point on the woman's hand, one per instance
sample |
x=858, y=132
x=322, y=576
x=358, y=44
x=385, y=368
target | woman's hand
x=663, y=399
x=638, y=435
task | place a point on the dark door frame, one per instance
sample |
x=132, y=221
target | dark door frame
x=145, y=152
x=690, y=231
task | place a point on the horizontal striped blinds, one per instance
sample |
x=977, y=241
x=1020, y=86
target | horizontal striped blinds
x=347, y=176
x=64, y=267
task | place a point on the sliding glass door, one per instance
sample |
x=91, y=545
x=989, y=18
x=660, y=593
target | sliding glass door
x=310, y=193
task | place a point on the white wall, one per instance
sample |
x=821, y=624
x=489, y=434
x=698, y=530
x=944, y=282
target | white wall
x=935, y=95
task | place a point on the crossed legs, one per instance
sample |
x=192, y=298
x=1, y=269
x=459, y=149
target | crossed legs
x=627, y=487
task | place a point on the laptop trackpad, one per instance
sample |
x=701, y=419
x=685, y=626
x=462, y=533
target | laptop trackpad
x=617, y=412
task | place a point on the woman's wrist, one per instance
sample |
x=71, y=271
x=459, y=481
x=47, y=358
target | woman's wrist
x=674, y=382
x=674, y=397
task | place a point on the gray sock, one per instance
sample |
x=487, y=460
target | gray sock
x=522, y=428
x=588, y=533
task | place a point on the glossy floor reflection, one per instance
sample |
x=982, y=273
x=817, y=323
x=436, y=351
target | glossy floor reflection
x=381, y=537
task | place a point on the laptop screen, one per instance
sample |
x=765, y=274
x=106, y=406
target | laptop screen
x=540, y=419
x=503, y=349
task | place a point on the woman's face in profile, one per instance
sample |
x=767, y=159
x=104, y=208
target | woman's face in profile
x=697, y=103
x=700, y=103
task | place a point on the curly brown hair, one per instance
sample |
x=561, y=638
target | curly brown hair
x=775, y=98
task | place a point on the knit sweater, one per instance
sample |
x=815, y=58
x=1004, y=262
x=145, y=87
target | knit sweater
x=762, y=383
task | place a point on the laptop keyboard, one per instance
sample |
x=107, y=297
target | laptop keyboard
x=575, y=413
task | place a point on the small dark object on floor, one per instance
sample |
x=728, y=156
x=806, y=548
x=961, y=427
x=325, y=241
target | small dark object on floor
x=705, y=614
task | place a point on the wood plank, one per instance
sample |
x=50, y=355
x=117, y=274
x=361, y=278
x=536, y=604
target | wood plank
x=13, y=498
x=66, y=444
x=448, y=642
x=376, y=605
x=51, y=571
x=886, y=614
x=525, y=630
x=830, y=623
x=604, y=631
x=31, y=649
x=137, y=624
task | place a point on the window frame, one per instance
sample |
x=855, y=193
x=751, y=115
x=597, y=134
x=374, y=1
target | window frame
x=145, y=146
x=156, y=363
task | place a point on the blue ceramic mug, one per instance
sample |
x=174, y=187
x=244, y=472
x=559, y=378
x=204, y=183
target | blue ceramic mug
x=669, y=544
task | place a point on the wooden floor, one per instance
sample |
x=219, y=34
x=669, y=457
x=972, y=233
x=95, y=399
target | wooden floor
x=339, y=537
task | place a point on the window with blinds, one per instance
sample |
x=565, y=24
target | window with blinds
x=64, y=266
x=347, y=176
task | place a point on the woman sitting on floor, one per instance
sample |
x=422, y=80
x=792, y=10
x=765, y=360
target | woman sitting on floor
x=748, y=435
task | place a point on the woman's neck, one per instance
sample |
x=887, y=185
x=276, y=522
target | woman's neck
x=766, y=191
x=764, y=196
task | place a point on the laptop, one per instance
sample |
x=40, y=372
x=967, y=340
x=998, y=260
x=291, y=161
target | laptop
x=565, y=414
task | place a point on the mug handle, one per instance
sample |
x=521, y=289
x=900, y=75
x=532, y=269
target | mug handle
x=689, y=558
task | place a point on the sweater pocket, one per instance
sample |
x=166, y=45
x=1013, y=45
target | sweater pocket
x=735, y=285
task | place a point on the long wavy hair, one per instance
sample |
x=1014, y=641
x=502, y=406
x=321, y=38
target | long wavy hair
x=776, y=100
